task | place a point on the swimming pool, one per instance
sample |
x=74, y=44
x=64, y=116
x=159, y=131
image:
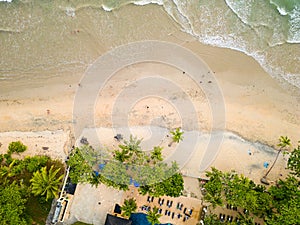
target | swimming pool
x=141, y=219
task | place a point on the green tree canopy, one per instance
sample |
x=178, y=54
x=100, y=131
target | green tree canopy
x=12, y=205
x=278, y=205
x=172, y=186
x=286, y=204
x=81, y=163
x=130, y=151
x=46, y=182
x=214, y=187
x=294, y=161
x=116, y=175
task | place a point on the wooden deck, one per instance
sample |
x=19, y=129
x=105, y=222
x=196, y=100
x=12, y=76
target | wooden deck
x=183, y=210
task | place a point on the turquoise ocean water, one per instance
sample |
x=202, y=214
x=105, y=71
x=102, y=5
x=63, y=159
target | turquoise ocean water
x=33, y=32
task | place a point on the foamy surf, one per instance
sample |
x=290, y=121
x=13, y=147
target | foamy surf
x=255, y=37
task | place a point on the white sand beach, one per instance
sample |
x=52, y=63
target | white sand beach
x=257, y=108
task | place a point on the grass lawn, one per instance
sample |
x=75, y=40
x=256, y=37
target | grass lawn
x=37, y=210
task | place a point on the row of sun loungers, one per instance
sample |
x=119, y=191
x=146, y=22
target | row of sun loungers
x=176, y=215
x=161, y=202
x=146, y=208
x=234, y=208
x=169, y=203
x=179, y=206
x=230, y=219
x=227, y=218
x=185, y=215
x=150, y=199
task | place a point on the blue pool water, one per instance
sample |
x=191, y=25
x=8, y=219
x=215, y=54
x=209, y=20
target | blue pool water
x=141, y=219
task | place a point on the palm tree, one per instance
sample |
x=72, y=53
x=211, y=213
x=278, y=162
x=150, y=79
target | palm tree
x=121, y=156
x=283, y=142
x=128, y=207
x=46, y=182
x=176, y=135
x=130, y=149
x=156, y=153
x=6, y=171
x=95, y=179
x=153, y=216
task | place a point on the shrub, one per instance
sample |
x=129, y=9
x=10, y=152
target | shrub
x=35, y=163
x=8, y=159
x=17, y=147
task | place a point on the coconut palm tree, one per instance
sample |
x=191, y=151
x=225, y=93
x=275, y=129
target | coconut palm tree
x=153, y=216
x=46, y=183
x=283, y=143
x=130, y=150
x=176, y=135
x=6, y=171
x=156, y=153
x=95, y=179
x=128, y=207
x=121, y=156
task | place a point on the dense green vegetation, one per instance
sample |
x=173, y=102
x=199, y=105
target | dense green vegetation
x=293, y=162
x=279, y=204
x=19, y=204
x=128, y=163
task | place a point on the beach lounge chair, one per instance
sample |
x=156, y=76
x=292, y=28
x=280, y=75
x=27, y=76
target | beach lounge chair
x=180, y=207
x=118, y=137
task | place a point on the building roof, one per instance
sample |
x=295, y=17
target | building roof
x=114, y=220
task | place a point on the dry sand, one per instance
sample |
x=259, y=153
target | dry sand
x=257, y=107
